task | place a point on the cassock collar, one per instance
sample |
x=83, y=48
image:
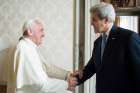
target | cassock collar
x=30, y=41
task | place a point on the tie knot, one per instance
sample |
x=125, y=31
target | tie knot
x=104, y=36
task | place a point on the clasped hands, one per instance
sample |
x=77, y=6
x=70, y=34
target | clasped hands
x=72, y=79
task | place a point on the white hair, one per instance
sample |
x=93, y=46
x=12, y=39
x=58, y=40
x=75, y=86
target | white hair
x=104, y=10
x=29, y=24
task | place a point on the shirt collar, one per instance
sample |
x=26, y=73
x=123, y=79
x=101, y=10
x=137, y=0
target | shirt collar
x=107, y=33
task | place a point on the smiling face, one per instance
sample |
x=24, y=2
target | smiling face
x=102, y=17
x=36, y=33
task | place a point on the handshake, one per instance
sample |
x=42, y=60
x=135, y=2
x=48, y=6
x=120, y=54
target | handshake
x=72, y=79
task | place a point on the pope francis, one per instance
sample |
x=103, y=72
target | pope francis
x=30, y=73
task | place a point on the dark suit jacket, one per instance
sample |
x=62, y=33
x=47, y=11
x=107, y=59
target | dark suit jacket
x=119, y=72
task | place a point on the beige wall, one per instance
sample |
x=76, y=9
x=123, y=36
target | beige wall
x=58, y=22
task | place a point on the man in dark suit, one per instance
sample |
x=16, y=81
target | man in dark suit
x=116, y=55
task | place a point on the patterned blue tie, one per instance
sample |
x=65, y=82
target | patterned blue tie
x=104, y=36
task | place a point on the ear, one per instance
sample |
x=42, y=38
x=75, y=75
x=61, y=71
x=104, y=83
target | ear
x=30, y=33
x=106, y=20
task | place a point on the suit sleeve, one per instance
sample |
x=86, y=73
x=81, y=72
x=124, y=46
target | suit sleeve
x=88, y=70
x=134, y=52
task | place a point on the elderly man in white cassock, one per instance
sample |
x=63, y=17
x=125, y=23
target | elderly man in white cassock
x=31, y=73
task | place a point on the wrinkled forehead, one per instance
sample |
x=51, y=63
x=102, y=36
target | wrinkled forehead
x=38, y=24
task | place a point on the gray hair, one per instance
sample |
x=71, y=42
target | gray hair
x=104, y=10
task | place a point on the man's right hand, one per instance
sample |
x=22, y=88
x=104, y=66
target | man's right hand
x=72, y=82
x=78, y=74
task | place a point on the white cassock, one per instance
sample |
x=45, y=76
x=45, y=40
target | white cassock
x=30, y=75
